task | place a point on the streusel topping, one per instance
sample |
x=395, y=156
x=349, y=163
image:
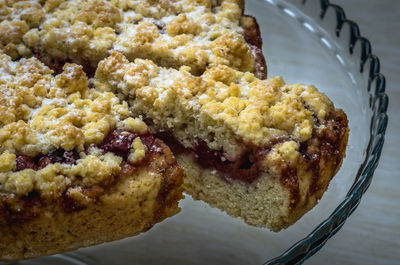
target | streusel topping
x=227, y=109
x=61, y=120
x=172, y=33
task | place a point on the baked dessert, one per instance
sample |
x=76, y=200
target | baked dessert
x=78, y=166
x=259, y=149
x=172, y=33
x=76, y=169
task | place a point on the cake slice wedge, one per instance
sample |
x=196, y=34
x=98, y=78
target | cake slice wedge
x=259, y=149
x=172, y=33
x=76, y=169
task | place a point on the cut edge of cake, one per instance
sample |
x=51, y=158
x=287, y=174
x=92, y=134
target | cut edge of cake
x=75, y=168
x=218, y=127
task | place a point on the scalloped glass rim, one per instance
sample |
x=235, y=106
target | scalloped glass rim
x=378, y=103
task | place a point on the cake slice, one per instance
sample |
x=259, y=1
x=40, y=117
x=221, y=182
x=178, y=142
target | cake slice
x=172, y=33
x=259, y=149
x=76, y=169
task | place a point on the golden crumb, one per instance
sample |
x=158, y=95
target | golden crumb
x=135, y=125
x=223, y=107
x=195, y=33
x=7, y=162
x=138, y=151
x=41, y=112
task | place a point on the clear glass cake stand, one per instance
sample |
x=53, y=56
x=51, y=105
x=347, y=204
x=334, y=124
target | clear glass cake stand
x=307, y=41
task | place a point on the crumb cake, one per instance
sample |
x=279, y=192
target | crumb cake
x=195, y=33
x=79, y=81
x=76, y=168
x=259, y=149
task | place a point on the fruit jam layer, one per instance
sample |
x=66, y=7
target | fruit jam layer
x=158, y=159
x=245, y=167
x=118, y=142
x=324, y=145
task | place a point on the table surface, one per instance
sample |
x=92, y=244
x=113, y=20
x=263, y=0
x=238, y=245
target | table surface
x=372, y=234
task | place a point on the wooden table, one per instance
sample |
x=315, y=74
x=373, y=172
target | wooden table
x=372, y=233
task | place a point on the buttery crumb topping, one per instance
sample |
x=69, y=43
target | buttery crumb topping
x=40, y=113
x=196, y=33
x=138, y=151
x=227, y=109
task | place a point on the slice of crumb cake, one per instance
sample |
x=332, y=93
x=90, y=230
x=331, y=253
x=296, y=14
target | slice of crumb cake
x=172, y=33
x=259, y=149
x=76, y=169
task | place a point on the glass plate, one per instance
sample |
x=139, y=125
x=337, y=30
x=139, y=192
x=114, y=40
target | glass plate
x=307, y=41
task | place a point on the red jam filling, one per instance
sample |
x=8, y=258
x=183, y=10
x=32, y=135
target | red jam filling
x=325, y=144
x=245, y=167
x=41, y=161
x=118, y=142
x=24, y=162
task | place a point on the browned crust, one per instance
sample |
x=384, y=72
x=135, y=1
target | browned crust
x=171, y=188
x=252, y=35
x=322, y=157
x=32, y=226
x=241, y=4
x=252, y=32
